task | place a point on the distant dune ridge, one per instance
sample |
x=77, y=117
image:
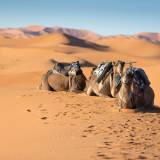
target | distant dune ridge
x=149, y=36
x=32, y=31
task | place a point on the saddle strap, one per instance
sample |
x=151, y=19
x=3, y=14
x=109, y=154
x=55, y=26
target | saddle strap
x=106, y=75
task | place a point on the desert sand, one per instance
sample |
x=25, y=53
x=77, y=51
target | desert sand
x=42, y=125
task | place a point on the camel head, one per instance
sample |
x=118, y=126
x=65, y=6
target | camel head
x=75, y=69
x=118, y=67
x=77, y=80
x=128, y=76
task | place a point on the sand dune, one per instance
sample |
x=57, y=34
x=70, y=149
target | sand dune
x=132, y=46
x=60, y=125
x=33, y=31
x=149, y=36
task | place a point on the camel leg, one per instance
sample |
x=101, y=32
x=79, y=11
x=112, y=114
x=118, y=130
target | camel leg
x=90, y=91
x=102, y=95
x=44, y=84
x=120, y=104
x=100, y=86
x=149, y=97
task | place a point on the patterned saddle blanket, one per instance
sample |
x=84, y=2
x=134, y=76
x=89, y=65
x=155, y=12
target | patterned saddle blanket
x=101, y=70
x=140, y=78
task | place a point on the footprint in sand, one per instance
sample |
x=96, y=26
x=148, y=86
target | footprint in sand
x=40, y=106
x=44, y=112
x=107, y=143
x=43, y=118
x=58, y=114
x=90, y=130
x=28, y=110
x=84, y=136
x=78, y=104
x=103, y=156
x=67, y=105
x=58, y=99
x=65, y=113
x=91, y=126
x=142, y=157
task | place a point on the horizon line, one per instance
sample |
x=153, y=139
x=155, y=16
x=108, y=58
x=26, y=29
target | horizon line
x=76, y=28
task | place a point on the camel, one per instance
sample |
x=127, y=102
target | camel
x=131, y=95
x=108, y=84
x=71, y=80
x=143, y=94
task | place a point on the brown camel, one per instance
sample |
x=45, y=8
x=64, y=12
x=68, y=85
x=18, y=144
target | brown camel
x=132, y=95
x=73, y=81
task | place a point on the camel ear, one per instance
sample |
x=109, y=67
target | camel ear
x=130, y=64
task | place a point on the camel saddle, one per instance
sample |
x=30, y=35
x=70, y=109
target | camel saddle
x=140, y=78
x=101, y=70
x=64, y=70
x=60, y=69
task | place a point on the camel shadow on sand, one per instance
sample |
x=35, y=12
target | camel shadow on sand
x=154, y=109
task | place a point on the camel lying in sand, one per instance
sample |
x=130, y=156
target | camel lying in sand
x=107, y=84
x=135, y=95
x=72, y=79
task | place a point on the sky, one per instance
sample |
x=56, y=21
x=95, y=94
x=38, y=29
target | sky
x=106, y=17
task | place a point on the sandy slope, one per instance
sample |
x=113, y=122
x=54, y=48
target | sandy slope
x=41, y=125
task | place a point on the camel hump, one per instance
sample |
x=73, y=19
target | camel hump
x=102, y=69
x=65, y=69
x=141, y=78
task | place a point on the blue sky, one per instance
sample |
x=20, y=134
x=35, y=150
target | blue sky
x=107, y=17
